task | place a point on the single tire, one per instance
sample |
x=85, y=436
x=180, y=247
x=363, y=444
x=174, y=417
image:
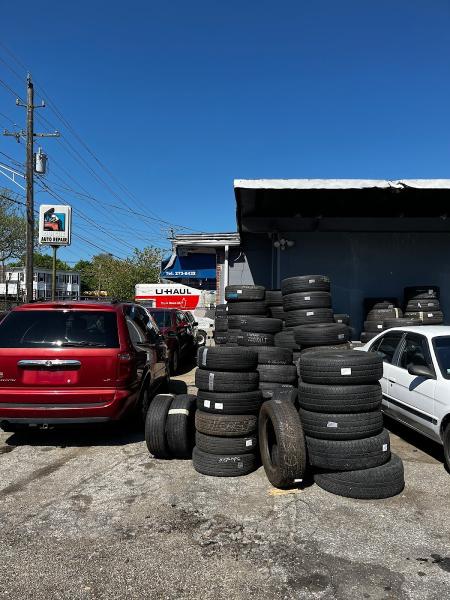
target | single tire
x=225, y=445
x=348, y=368
x=383, y=304
x=155, y=425
x=225, y=425
x=274, y=298
x=271, y=355
x=429, y=304
x=341, y=426
x=247, y=308
x=266, y=386
x=180, y=425
x=249, y=338
x=285, y=394
x=262, y=325
x=373, y=326
x=423, y=292
x=321, y=334
x=277, y=373
x=384, y=481
x=305, y=283
x=222, y=359
x=285, y=339
x=277, y=312
x=380, y=314
x=244, y=292
x=349, y=455
x=306, y=317
x=366, y=337
x=237, y=321
x=226, y=381
x=306, y=300
x=221, y=324
x=223, y=465
x=282, y=443
x=428, y=318
x=341, y=318
x=402, y=322
x=340, y=398
x=339, y=347
x=236, y=403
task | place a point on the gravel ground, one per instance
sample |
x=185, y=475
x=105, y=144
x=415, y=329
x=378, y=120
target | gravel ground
x=88, y=513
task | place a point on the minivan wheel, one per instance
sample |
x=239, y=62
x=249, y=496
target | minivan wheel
x=446, y=440
x=174, y=362
x=201, y=338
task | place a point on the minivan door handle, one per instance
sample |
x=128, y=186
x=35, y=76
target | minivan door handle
x=49, y=364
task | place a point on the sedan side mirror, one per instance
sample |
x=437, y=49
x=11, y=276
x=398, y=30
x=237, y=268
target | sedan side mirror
x=421, y=371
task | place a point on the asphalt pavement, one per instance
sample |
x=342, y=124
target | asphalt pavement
x=87, y=513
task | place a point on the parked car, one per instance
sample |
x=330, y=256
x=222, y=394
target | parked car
x=203, y=327
x=416, y=379
x=78, y=362
x=177, y=330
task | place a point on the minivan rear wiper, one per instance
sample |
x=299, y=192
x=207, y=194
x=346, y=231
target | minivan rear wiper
x=81, y=344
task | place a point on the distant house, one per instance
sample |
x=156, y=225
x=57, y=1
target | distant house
x=67, y=284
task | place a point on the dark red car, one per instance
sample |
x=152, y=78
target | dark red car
x=178, y=333
x=78, y=362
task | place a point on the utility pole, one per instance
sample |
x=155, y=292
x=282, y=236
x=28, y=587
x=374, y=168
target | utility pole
x=30, y=135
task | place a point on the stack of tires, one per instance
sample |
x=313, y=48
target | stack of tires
x=340, y=410
x=228, y=402
x=274, y=302
x=220, y=324
x=243, y=301
x=374, y=323
x=275, y=370
x=423, y=306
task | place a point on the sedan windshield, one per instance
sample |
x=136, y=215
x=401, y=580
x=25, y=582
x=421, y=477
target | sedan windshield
x=441, y=346
x=59, y=328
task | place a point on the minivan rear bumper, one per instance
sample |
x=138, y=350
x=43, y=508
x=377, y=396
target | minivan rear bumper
x=50, y=406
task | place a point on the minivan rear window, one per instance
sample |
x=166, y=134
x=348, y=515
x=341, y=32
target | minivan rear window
x=59, y=328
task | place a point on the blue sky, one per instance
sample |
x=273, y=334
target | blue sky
x=176, y=99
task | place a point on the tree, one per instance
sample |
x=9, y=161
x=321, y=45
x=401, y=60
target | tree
x=12, y=229
x=44, y=261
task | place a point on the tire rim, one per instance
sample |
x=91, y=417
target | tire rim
x=201, y=339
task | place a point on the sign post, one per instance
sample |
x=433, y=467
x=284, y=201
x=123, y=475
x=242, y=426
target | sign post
x=55, y=229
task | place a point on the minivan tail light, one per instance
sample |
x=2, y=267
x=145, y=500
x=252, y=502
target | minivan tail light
x=124, y=357
x=125, y=366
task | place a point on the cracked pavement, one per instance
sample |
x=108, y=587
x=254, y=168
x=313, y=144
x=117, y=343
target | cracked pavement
x=87, y=513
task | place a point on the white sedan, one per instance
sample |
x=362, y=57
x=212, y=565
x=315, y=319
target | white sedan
x=416, y=379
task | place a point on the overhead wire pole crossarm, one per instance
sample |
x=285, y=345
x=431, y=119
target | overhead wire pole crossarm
x=30, y=135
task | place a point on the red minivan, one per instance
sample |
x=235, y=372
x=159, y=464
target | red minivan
x=78, y=362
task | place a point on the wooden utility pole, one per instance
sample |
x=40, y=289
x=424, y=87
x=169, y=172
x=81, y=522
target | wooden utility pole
x=29, y=177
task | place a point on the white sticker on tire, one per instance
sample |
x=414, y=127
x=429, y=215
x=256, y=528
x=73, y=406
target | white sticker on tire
x=249, y=443
x=218, y=405
x=205, y=352
x=430, y=304
x=309, y=313
x=312, y=281
x=298, y=480
x=211, y=382
x=430, y=292
x=430, y=314
x=341, y=336
x=332, y=424
x=346, y=371
x=379, y=326
x=385, y=447
x=396, y=313
x=307, y=298
x=238, y=291
x=178, y=411
x=207, y=403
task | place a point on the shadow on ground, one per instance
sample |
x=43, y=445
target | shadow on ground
x=419, y=441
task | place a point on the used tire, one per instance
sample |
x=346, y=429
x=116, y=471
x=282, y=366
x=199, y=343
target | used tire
x=221, y=324
x=422, y=292
x=383, y=481
x=225, y=445
x=348, y=368
x=321, y=334
x=244, y=292
x=277, y=312
x=221, y=309
x=305, y=316
x=271, y=355
x=341, y=318
x=225, y=425
x=223, y=359
x=232, y=335
x=285, y=339
x=401, y=322
x=155, y=425
x=277, y=373
x=430, y=318
x=262, y=325
x=286, y=395
x=349, y=455
x=248, y=338
x=247, y=308
x=380, y=314
x=339, y=398
x=373, y=326
x=339, y=347
x=282, y=443
x=427, y=304
x=237, y=321
x=180, y=425
x=265, y=386
x=274, y=298
x=236, y=403
x=223, y=465
x=341, y=426
x=305, y=283
x=226, y=381
x=306, y=300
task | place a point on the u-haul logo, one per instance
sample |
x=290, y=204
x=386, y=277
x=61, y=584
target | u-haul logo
x=174, y=291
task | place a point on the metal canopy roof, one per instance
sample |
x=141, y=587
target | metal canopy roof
x=271, y=205
x=213, y=240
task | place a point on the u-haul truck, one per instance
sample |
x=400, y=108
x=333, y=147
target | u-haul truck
x=168, y=295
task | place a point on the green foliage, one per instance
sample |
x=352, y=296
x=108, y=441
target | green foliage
x=43, y=260
x=12, y=228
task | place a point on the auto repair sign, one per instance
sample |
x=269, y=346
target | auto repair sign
x=55, y=225
x=168, y=295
